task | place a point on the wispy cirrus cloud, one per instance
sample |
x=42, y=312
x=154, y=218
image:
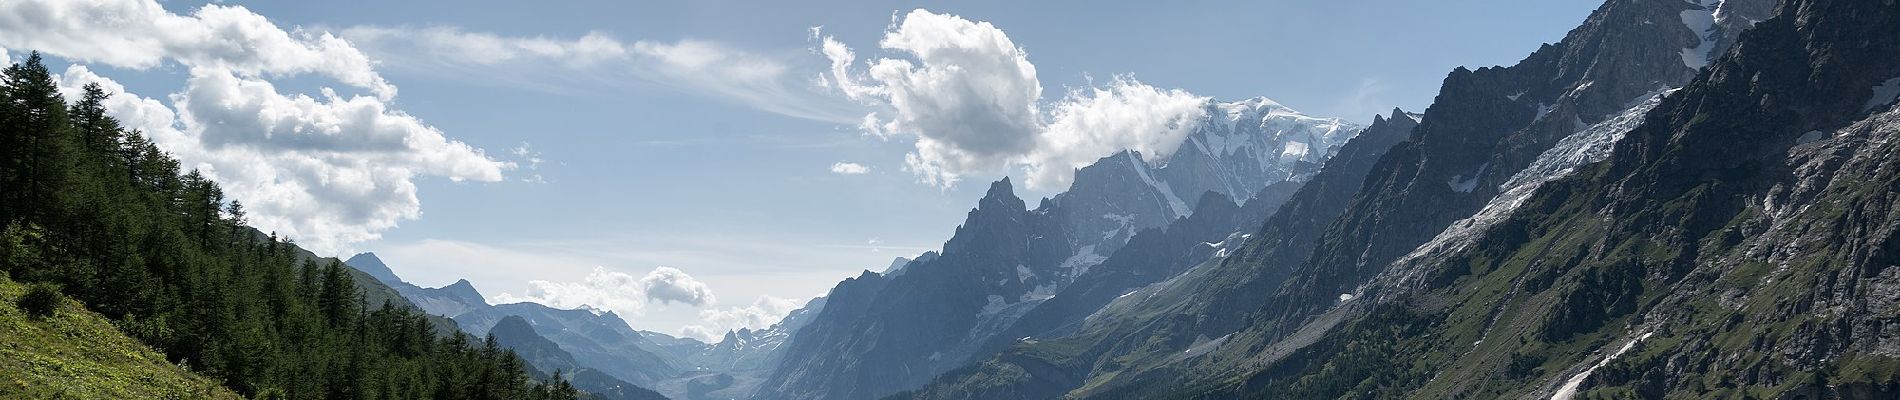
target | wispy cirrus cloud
x=601, y=60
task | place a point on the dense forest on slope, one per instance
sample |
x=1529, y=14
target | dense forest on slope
x=105, y=215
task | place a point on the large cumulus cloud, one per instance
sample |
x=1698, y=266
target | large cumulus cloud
x=671, y=285
x=328, y=170
x=142, y=34
x=974, y=102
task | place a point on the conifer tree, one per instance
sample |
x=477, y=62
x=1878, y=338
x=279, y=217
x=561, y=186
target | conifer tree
x=37, y=144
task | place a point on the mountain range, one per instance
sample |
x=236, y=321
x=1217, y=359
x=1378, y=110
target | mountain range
x=1677, y=199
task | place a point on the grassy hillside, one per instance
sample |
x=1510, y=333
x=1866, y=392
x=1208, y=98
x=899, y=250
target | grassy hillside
x=78, y=354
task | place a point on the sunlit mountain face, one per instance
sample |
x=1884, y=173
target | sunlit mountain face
x=865, y=200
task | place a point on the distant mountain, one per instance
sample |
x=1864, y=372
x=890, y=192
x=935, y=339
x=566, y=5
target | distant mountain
x=369, y=264
x=882, y=333
x=601, y=341
x=735, y=365
x=447, y=301
x=518, y=334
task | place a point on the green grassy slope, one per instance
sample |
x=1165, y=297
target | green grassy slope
x=78, y=354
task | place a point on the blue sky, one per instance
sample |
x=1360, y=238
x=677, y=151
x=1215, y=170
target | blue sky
x=724, y=172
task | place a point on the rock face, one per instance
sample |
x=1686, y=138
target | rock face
x=882, y=333
x=1277, y=292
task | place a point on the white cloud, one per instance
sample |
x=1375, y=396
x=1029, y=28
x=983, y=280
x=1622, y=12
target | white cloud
x=1097, y=121
x=671, y=285
x=141, y=34
x=849, y=168
x=970, y=96
x=973, y=100
x=328, y=171
x=529, y=161
x=616, y=291
x=602, y=289
x=598, y=60
x=762, y=313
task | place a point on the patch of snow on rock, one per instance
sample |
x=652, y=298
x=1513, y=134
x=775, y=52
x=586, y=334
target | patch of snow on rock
x=1175, y=204
x=1462, y=184
x=1884, y=94
x=996, y=305
x=1702, y=22
x=1569, y=389
x=1584, y=147
x=1080, y=263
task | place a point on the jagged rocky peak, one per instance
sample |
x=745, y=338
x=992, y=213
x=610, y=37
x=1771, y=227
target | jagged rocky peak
x=1000, y=215
x=1395, y=115
x=1001, y=194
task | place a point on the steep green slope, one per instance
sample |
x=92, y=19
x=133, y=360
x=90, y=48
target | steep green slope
x=76, y=353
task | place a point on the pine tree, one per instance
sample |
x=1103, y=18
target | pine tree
x=338, y=298
x=37, y=144
x=100, y=134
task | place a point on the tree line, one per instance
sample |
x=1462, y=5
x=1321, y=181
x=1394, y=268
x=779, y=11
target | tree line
x=105, y=214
